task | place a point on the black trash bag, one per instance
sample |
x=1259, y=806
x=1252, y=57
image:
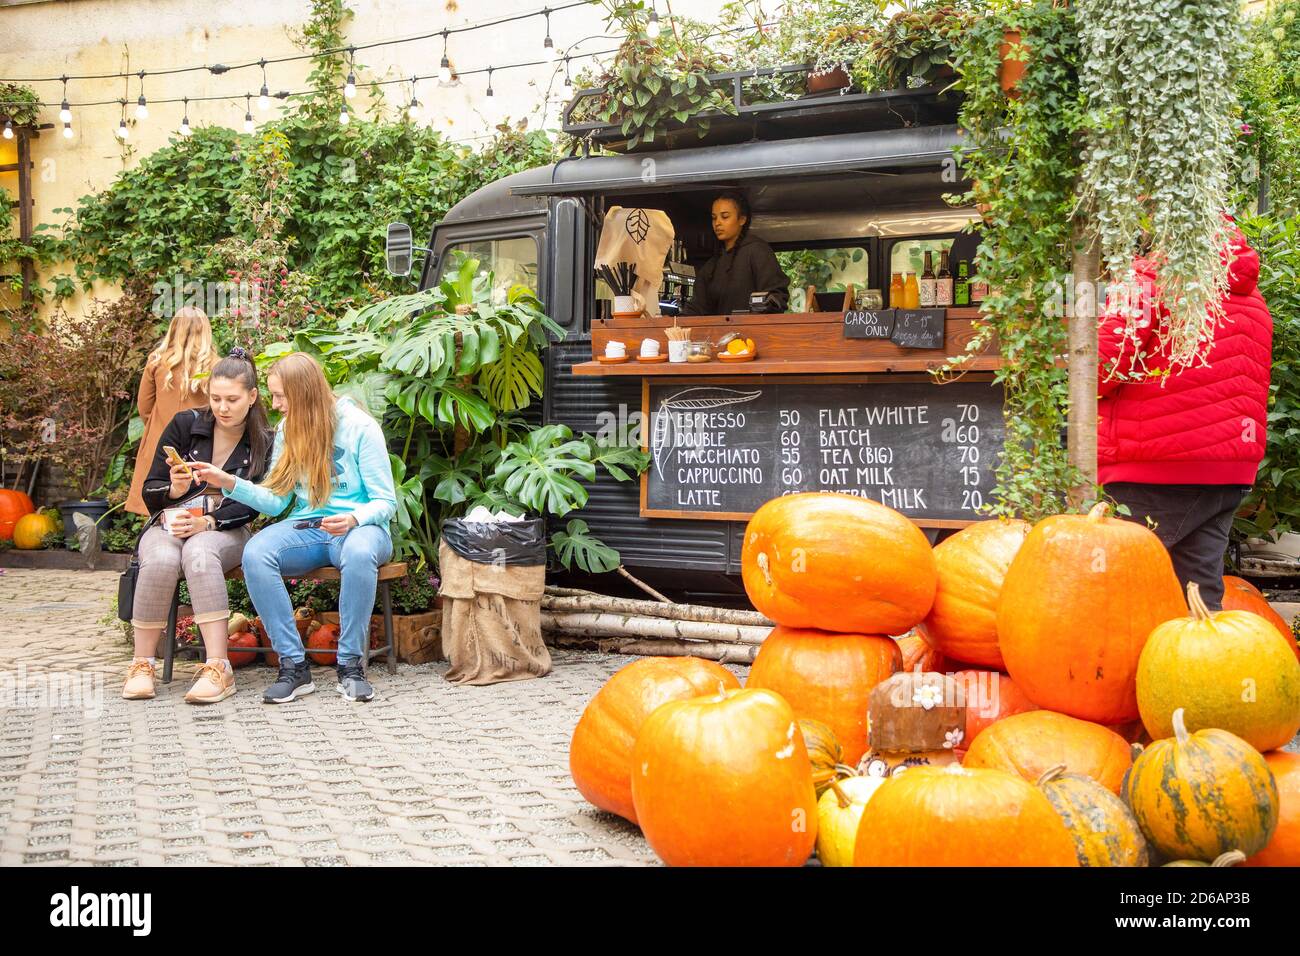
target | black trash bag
x=517, y=543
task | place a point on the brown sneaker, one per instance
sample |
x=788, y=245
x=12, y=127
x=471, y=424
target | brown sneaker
x=139, y=681
x=214, y=683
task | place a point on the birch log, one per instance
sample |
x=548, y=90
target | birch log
x=709, y=650
x=680, y=612
x=597, y=624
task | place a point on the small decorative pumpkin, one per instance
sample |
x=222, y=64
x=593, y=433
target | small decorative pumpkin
x=1231, y=858
x=890, y=763
x=724, y=780
x=1197, y=796
x=1102, y=827
x=1071, y=620
x=323, y=642
x=1283, y=848
x=913, y=712
x=1032, y=743
x=600, y=751
x=838, y=563
x=990, y=696
x=955, y=816
x=918, y=655
x=824, y=752
x=971, y=565
x=30, y=530
x=13, y=506
x=1240, y=595
x=243, y=638
x=1227, y=669
x=826, y=676
x=839, y=810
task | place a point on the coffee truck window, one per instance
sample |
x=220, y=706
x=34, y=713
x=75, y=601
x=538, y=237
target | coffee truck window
x=511, y=261
x=827, y=270
x=908, y=255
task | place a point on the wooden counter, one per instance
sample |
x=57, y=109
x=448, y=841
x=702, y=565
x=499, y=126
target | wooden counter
x=788, y=344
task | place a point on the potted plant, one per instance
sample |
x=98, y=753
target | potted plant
x=916, y=46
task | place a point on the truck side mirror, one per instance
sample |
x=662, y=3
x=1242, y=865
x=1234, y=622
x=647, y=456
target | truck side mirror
x=398, y=248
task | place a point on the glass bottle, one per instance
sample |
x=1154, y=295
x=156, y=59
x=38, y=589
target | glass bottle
x=961, y=287
x=943, y=282
x=927, y=284
x=896, y=291
x=911, y=292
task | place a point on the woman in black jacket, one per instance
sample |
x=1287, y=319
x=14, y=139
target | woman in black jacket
x=195, y=528
x=745, y=265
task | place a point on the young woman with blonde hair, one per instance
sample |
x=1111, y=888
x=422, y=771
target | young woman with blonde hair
x=174, y=379
x=329, y=459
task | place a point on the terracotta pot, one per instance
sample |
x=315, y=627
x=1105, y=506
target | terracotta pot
x=836, y=79
x=1011, y=70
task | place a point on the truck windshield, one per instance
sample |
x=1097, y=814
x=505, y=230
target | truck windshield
x=512, y=261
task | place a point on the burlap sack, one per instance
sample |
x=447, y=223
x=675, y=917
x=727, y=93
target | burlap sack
x=491, y=620
x=642, y=237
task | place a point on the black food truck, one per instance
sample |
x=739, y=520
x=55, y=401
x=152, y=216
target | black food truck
x=834, y=392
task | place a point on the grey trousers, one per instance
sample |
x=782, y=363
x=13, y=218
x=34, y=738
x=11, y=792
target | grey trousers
x=205, y=558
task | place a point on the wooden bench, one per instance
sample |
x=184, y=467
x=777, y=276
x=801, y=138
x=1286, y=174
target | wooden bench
x=387, y=572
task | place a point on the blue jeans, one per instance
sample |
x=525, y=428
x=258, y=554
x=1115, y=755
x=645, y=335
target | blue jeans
x=282, y=550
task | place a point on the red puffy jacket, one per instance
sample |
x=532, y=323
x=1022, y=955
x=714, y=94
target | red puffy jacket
x=1206, y=424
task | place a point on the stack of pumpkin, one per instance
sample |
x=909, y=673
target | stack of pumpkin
x=21, y=523
x=1066, y=643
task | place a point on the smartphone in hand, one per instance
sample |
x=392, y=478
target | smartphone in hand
x=174, y=457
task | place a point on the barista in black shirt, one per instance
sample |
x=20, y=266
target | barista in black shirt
x=746, y=264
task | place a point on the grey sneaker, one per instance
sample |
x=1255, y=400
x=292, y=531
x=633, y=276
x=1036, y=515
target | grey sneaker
x=353, y=684
x=294, y=681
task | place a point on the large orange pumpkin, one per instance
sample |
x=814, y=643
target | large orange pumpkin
x=323, y=644
x=1240, y=595
x=1284, y=847
x=1077, y=605
x=724, y=780
x=600, y=752
x=963, y=622
x=1227, y=669
x=828, y=677
x=1032, y=743
x=13, y=505
x=1197, y=796
x=837, y=563
x=990, y=696
x=241, y=639
x=30, y=530
x=954, y=816
x=918, y=655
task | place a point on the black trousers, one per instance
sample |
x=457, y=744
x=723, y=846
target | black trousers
x=1193, y=522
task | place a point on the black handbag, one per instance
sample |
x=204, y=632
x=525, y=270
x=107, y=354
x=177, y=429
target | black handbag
x=126, y=581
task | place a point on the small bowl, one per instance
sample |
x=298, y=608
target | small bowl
x=611, y=359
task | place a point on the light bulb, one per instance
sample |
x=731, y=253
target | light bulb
x=344, y=118
x=652, y=28
x=413, y=110
x=567, y=89
x=350, y=90
x=67, y=131
x=65, y=112
x=548, y=48
x=185, y=127
x=444, y=70
x=122, y=131
x=141, y=108
x=264, y=99
x=9, y=130
x=248, y=122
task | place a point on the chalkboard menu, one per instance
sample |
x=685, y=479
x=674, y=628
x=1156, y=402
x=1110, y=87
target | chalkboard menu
x=721, y=449
x=869, y=324
x=918, y=328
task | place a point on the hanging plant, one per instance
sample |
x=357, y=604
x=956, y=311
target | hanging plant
x=1158, y=77
x=19, y=104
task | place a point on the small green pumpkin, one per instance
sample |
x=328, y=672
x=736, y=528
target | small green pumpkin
x=1231, y=858
x=1103, y=828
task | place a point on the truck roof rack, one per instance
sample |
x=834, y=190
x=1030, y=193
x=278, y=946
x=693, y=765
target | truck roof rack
x=814, y=114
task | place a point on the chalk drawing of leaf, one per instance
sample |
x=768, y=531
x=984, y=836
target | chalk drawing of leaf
x=638, y=225
x=696, y=399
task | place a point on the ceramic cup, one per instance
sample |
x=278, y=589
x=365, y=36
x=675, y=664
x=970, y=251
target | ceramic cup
x=678, y=349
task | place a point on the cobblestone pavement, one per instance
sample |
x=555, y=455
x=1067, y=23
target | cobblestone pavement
x=426, y=773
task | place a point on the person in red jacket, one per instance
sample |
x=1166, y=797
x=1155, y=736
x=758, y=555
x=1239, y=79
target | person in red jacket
x=1182, y=449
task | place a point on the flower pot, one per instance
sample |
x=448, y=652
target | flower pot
x=94, y=510
x=829, y=80
x=1011, y=69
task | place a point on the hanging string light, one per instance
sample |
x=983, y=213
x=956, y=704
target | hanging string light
x=185, y=118
x=67, y=131
x=652, y=27
x=248, y=112
x=350, y=89
x=413, y=110
x=548, y=45
x=444, y=68
x=344, y=116
x=141, y=105
x=567, y=89
x=489, y=89
x=264, y=97
x=122, y=131
x=65, y=111
x=9, y=128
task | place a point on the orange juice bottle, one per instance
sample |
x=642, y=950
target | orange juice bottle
x=911, y=292
x=896, y=291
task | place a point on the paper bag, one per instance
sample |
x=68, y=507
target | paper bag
x=643, y=238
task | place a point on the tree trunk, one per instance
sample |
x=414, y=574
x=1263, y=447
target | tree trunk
x=714, y=651
x=627, y=625
x=1082, y=363
x=587, y=601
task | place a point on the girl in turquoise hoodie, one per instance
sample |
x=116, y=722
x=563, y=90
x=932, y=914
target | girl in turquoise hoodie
x=329, y=460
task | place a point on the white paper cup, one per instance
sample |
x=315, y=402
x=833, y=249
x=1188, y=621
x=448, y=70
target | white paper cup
x=678, y=349
x=169, y=517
